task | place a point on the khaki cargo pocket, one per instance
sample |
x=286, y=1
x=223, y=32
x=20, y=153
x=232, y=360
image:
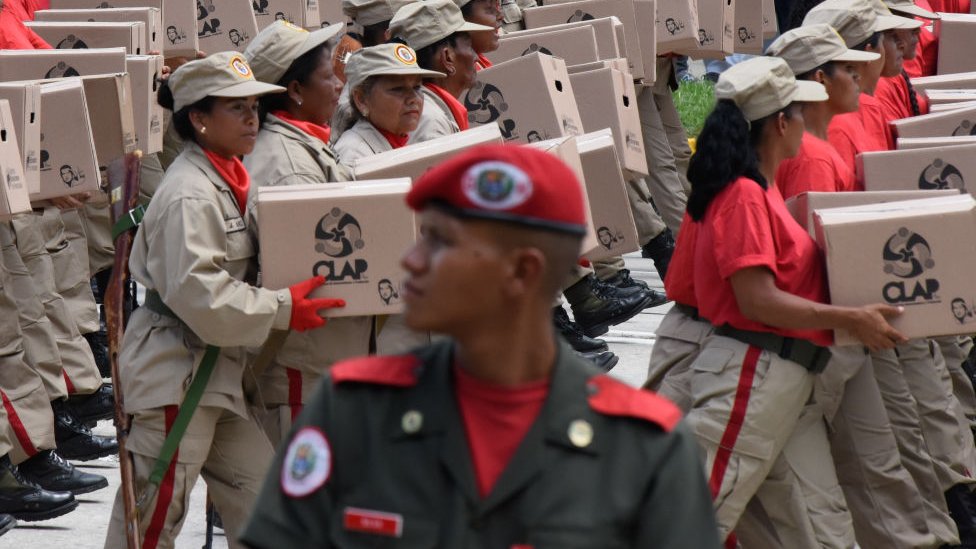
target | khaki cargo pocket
x=712, y=360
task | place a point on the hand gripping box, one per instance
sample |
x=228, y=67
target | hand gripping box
x=42, y=64
x=302, y=13
x=352, y=234
x=606, y=31
x=145, y=72
x=415, y=159
x=919, y=169
x=179, y=38
x=530, y=98
x=918, y=254
x=68, y=161
x=25, y=106
x=957, y=39
x=909, y=143
x=151, y=17
x=677, y=25
x=14, y=194
x=613, y=219
x=83, y=35
x=955, y=123
x=224, y=25
x=573, y=45
x=804, y=205
x=607, y=99
x=566, y=150
x=571, y=12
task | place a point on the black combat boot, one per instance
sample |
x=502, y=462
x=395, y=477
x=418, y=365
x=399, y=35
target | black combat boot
x=622, y=280
x=7, y=523
x=75, y=440
x=597, y=306
x=52, y=472
x=604, y=360
x=25, y=501
x=574, y=334
x=659, y=249
x=91, y=408
x=962, y=508
x=98, y=341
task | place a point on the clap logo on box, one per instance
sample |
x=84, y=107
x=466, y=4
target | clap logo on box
x=907, y=255
x=339, y=236
x=941, y=175
x=485, y=104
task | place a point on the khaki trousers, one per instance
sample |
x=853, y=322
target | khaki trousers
x=230, y=452
x=678, y=340
x=64, y=232
x=96, y=223
x=754, y=418
x=955, y=350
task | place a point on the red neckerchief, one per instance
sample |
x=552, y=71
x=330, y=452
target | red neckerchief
x=320, y=132
x=457, y=109
x=396, y=141
x=482, y=63
x=234, y=174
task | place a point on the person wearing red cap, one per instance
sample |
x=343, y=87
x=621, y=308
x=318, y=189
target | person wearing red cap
x=488, y=425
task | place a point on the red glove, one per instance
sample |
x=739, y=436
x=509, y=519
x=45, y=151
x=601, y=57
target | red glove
x=305, y=311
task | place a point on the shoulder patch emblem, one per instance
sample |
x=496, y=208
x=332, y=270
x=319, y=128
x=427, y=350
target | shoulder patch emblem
x=397, y=371
x=307, y=464
x=614, y=398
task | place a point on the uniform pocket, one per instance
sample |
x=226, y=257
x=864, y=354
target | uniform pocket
x=712, y=360
x=240, y=246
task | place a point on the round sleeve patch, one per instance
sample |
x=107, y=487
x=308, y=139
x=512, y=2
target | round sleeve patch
x=307, y=464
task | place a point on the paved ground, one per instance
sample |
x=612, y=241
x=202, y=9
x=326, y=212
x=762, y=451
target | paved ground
x=85, y=527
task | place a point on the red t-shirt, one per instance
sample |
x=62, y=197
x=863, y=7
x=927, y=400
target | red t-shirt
x=15, y=36
x=892, y=94
x=856, y=132
x=679, y=284
x=816, y=167
x=746, y=226
x=496, y=419
x=950, y=6
x=927, y=51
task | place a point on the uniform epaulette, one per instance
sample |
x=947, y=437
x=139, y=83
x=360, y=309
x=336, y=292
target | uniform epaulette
x=398, y=370
x=614, y=398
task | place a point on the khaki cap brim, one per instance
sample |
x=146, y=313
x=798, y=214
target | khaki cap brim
x=321, y=36
x=857, y=56
x=892, y=22
x=474, y=27
x=247, y=89
x=810, y=92
x=912, y=9
x=407, y=71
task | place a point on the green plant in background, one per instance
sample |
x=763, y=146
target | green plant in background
x=694, y=101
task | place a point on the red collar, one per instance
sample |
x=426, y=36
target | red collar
x=482, y=62
x=320, y=132
x=396, y=141
x=457, y=109
x=234, y=174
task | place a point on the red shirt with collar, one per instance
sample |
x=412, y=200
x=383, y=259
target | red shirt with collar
x=816, y=167
x=679, y=284
x=15, y=36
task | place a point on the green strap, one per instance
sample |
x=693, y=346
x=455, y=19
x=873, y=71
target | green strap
x=129, y=220
x=190, y=402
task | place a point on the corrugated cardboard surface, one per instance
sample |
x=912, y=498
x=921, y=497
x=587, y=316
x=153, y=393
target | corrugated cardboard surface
x=604, y=28
x=803, y=205
x=907, y=143
x=415, y=159
x=40, y=64
x=68, y=164
x=565, y=148
x=957, y=41
x=25, y=106
x=607, y=194
x=144, y=73
x=179, y=20
x=14, y=194
x=224, y=25
x=607, y=99
x=677, y=25
x=922, y=169
x=83, y=35
x=152, y=17
x=109, y=102
x=956, y=123
x=575, y=45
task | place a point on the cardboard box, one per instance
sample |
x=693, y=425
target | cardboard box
x=645, y=12
x=565, y=148
x=44, y=64
x=962, y=80
x=145, y=72
x=770, y=22
x=619, y=64
x=607, y=99
x=955, y=123
x=415, y=159
x=83, y=35
x=715, y=36
x=606, y=30
x=151, y=17
x=25, y=105
x=922, y=169
x=919, y=254
x=677, y=25
x=109, y=102
x=354, y=235
x=298, y=12
x=938, y=97
x=569, y=12
x=748, y=29
x=68, y=164
x=14, y=194
x=957, y=39
x=607, y=192
x=908, y=143
x=804, y=205
x=179, y=20
x=575, y=45
x=530, y=98
x=224, y=25
x=945, y=107
x=330, y=11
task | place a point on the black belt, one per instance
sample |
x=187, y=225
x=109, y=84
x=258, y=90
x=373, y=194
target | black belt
x=812, y=357
x=687, y=310
x=155, y=304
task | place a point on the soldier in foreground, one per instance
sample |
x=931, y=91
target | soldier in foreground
x=498, y=436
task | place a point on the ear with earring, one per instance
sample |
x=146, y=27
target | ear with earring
x=203, y=129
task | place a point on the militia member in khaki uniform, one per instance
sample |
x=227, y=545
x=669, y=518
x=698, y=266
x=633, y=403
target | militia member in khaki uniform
x=502, y=437
x=195, y=254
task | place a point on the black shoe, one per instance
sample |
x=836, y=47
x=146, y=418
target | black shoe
x=98, y=341
x=52, y=472
x=7, y=523
x=597, y=305
x=27, y=502
x=622, y=279
x=75, y=440
x=962, y=508
x=659, y=249
x=574, y=334
x=93, y=407
x=604, y=360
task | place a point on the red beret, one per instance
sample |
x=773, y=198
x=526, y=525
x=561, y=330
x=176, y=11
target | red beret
x=510, y=183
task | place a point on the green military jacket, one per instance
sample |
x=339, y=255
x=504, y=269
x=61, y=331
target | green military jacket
x=380, y=458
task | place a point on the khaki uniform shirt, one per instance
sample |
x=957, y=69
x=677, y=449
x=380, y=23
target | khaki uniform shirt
x=361, y=140
x=380, y=458
x=199, y=253
x=436, y=120
x=285, y=155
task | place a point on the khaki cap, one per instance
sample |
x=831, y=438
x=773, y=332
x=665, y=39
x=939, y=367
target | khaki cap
x=224, y=74
x=806, y=48
x=426, y=22
x=890, y=20
x=276, y=47
x=371, y=12
x=856, y=20
x=910, y=8
x=385, y=59
x=762, y=86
